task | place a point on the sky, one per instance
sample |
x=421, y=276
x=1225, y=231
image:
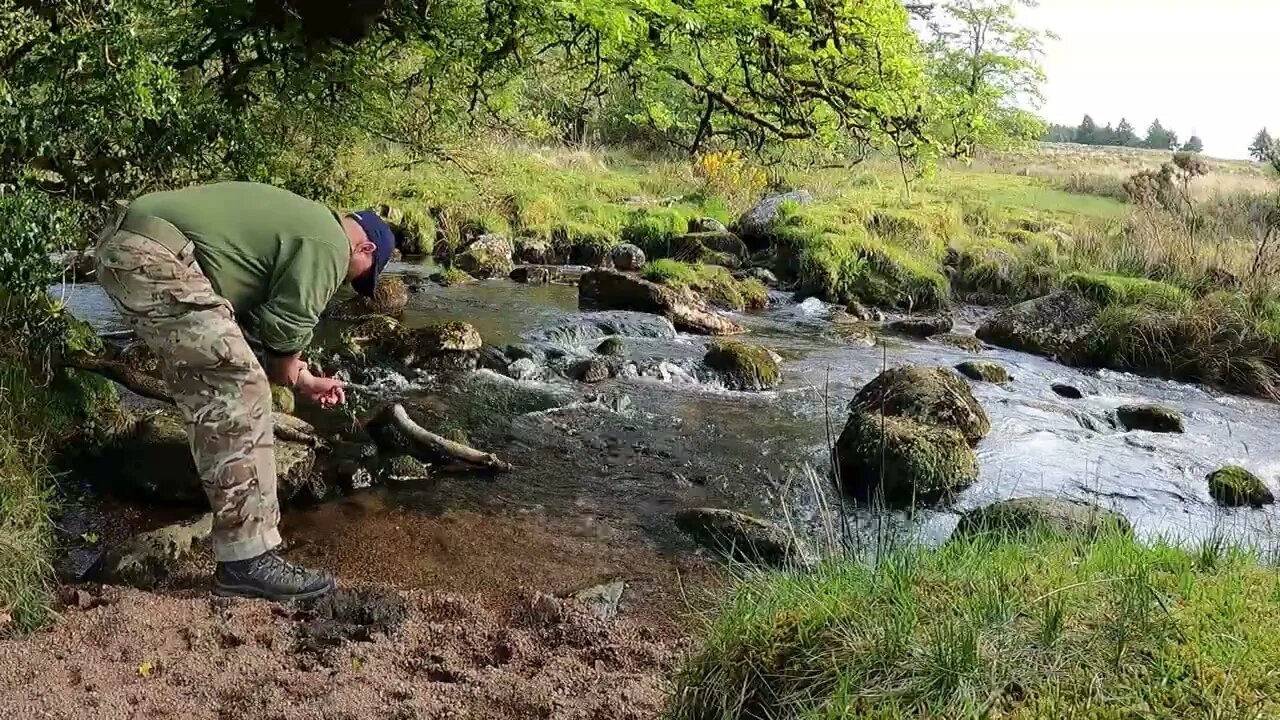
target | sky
x=1208, y=67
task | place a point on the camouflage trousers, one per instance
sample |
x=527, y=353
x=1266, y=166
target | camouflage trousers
x=214, y=376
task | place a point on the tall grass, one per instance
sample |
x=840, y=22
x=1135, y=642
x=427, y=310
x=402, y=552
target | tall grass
x=26, y=530
x=1039, y=626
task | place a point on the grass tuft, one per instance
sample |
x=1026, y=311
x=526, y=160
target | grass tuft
x=986, y=626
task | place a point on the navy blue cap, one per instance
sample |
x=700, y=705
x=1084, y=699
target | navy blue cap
x=383, y=239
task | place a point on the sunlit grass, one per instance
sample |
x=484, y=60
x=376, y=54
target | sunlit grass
x=1039, y=627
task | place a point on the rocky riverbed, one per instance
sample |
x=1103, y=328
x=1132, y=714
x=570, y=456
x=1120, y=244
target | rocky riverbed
x=621, y=430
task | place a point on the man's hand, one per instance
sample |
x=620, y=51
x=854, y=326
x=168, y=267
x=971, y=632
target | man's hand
x=325, y=392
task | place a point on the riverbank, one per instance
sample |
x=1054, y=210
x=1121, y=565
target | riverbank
x=997, y=626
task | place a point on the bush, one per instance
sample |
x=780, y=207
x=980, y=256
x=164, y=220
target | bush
x=983, y=626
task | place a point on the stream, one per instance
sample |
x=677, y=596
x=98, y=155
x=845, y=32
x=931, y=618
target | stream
x=628, y=452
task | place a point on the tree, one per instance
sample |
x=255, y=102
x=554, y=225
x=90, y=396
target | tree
x=1087, y=133
x=1125, y=136
x=1159, y=138
x=1194, y=145
x=1059, y=134
x=984, y=69
x=1261, y=149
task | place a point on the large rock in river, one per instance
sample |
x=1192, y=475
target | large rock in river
x=985, y=371
x=613, y=290
x=1036, y=515
x=908, y=437
x=1059, y=325
x=745, y=538
x=901, y=461
x=1234, y=486
x=390, y=296
x=1152, y=418
x=488, y=256
x=627, y=257
x=744, y=366
x=932, y=395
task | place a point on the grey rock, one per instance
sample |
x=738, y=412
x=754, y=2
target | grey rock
x=756, y=225
x=745, y=538
x=627, y=257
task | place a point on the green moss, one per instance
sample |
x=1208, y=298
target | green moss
x=744, y=366
x=1040, y=517
x=672, y=273
x=928, y=395
x=1020, y=628
x=984, y=371
x=1233, y=485
x=653, y=230
x=754, y=294
x=452, y=276
x=1120, y=290
x=901, y=461
x=282, y=400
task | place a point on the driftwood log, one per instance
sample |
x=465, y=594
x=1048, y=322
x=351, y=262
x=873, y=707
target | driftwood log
x=395, y=416
x=288, y=427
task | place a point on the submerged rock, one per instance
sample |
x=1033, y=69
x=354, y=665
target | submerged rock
x=404, y=468
x=1034, y=515
x=984, y=371
x=968, y=343
x=1235, y=486
x=591, y=370
x=1153, y=418
x=1069, y=392
x=488, y=256
x=613, y=290
x=548, y=274
x=756, y=225
x=931, y=395
x=1059, y=325
x=922, y=327
x=613, y=347
x=524, y=369
x=859, y=311
x=744, y=538
x=627, y=257
x=744, y=366
x=148, y=559
x=764, y=275
x=609, y=323
x=452, y=276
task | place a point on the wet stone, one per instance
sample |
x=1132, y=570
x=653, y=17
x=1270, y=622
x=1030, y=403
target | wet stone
x=347, y=616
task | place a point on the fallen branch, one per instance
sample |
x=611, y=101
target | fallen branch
x=395, y=416
x=286, y=427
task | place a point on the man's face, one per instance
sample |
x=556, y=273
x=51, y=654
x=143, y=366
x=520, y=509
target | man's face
x=361, y=260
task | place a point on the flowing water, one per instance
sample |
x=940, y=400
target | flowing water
x=630, y=451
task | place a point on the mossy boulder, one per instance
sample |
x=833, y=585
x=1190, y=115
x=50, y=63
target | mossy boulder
x=930, y=395
x=404, y=468
x=764, y=276
x=744, y=366
x=488, y=256
x=1153, y=418
x=536, y=252
x=627, y=257
x=922, y=326
x=968, y=343
x=1060, y=325
x=590, y=370
x=984, y=371
x=756, y=226
x=451, y=276
x=745, y=538
x=1235, y=486
x=282, y=400
x=612, y=290
x=1036, y=516
x=390, y=296
x=612, y=346
x=902, y=461
x=415, y=231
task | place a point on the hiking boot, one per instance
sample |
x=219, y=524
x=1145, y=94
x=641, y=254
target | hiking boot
x=272, y=577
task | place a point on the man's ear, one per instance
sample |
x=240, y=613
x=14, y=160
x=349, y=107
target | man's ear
x=368, y=248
